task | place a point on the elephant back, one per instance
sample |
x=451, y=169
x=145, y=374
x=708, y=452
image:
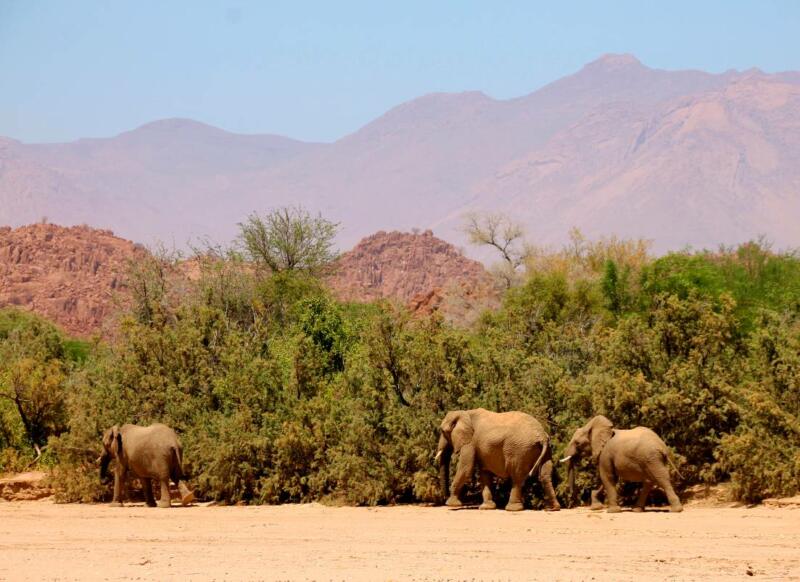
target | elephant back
x=519, y=428
x=529, y=423
x=649, y=435
x=639, y=441
x=157, y=434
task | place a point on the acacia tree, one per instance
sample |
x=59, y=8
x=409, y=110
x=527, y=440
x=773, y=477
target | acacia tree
x=289, y=239
x=148, y=284
x=505, y=236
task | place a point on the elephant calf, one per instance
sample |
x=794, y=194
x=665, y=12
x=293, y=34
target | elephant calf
x=149, y=452
x=507, y=444
x=637, y=455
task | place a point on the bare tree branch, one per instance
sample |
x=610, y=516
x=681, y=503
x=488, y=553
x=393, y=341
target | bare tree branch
x=500, y=233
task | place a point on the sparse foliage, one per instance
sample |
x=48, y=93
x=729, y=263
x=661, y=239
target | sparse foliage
x=503, y=235
x=289, y=239
x=149, y=282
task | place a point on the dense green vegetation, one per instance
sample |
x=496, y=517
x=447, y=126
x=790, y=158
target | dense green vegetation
x=36, y=362
x=281, y=394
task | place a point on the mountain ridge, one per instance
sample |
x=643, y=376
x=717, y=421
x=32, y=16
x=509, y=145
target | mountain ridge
x=426, y=162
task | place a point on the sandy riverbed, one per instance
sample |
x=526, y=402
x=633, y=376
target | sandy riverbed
x=40, y=540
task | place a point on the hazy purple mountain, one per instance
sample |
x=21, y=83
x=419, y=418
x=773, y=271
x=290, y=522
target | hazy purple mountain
x=682, y=157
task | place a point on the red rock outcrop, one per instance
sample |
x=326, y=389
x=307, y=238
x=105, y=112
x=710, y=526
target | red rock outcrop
x=74, y=276
x=420, y=270
x=69, y=275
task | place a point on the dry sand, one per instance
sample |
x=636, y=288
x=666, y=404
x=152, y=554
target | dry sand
x=43, y=541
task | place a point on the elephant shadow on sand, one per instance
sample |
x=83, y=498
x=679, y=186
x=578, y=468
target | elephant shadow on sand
x=533, y=494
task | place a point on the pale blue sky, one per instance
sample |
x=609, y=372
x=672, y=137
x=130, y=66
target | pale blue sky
x=319, y=70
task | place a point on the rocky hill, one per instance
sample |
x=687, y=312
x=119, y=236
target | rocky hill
x=419, y=270
x=74, y=276
x=69, y=275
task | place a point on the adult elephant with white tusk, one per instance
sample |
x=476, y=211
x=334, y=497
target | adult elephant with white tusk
x=149, y=452
x=508, y=444
x=637, y=455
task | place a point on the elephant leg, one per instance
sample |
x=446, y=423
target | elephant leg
x=515, y=499
x=486, y=483
x=147, y=485
x=466, y=466
x=546, y=479
x=119, y=486
x=647, y=486
x=661, y=477
x=596, y=503
x=164, y=500
x=187, y=496
x=611, y=491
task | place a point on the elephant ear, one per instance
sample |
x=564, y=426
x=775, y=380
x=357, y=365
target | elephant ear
x=108, y=439
x=116, y=441
x=600, y=430
x=462, y=430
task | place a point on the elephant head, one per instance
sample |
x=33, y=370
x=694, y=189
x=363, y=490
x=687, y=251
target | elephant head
x=589, y=439
x=455, y=431
x=112, y=448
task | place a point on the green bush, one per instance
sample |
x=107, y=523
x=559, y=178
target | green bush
x=763, y=453
x=35, y=362
x=282, y=394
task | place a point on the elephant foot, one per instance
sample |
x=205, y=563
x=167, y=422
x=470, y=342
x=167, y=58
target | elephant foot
x=151, y=504
x=614, y=509
x=453, y=502
x=187, y=495
x=516, y=506
x=164, y=503
x=555, y=507
x=676, y=508
x=596, y=506
x=115, y=504
x=488, y=505
x=638, y=509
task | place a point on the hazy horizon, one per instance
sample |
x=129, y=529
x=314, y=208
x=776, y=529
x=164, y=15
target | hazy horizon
x=355, y=129
x=318, y=72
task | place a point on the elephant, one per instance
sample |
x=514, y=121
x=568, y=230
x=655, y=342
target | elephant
x=506, y=444
x=637, y=455
x=149, y=452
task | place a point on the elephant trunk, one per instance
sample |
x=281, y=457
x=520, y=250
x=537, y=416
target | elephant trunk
x=104, y=462
x=571, y=456
x=443, y=453
x=444, y=477
x=571, y=480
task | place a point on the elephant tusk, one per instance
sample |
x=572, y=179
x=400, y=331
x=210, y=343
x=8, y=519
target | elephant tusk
x=565, y=459
x=437, y=457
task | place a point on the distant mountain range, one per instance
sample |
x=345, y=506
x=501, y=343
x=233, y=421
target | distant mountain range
x=680, y=157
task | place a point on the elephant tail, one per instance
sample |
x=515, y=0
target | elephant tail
x=545, y=447
x=672, y=464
